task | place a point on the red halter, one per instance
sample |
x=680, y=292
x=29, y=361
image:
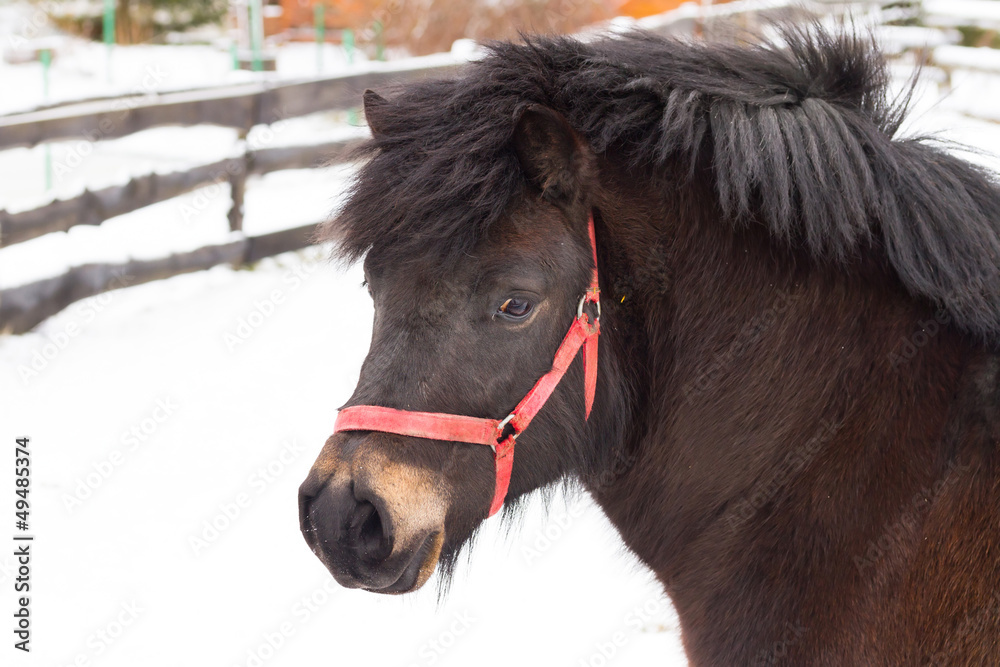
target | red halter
x=478, y=431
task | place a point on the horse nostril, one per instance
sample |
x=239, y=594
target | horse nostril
x=366, y=531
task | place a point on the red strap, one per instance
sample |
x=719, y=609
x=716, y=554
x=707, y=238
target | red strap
x=593, y=295
x=480, y=431
x=593, y=249
x=433, y=425
x=438, y=426
x=503, y=465
x=590, y=370
x=533, y=401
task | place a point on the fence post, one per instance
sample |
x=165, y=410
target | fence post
x=237, y=184
x=238, y=187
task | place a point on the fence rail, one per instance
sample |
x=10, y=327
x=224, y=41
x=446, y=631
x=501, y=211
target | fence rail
x=94, y=207
x=23, y=307
x=240, y=107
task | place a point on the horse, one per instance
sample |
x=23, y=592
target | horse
x=794, y=416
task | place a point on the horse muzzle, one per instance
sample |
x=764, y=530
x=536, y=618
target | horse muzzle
x=376, y=524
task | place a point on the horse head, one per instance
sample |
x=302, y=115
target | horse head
x=467, y=336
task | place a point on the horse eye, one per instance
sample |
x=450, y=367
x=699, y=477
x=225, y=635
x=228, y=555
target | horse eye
x=516, y=308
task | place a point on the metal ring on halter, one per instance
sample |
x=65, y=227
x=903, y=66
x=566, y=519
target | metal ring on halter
x=583, y=300
x=500, y=427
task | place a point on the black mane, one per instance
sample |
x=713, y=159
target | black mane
x=800, y=137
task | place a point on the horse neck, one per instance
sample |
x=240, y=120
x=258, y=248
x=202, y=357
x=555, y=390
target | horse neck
x=770, y=380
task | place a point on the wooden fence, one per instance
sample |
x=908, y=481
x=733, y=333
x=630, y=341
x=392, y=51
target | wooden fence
x=241, y=107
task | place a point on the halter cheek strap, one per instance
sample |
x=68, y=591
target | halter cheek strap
x=500, y=434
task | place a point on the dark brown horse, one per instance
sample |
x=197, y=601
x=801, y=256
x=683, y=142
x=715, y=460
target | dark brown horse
x=797, y=419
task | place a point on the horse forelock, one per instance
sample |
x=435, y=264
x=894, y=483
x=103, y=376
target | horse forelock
x=799, y=132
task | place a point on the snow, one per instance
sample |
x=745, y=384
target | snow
x=697, y=10
x=227, y=431
x=897, y=38
x=983, y=13
x=981, y=58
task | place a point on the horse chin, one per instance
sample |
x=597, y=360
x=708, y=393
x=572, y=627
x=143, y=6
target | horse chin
x=418, y=570
x=413, y=573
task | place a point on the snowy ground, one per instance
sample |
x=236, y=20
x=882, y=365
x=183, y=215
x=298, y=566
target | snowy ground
x=167, y=458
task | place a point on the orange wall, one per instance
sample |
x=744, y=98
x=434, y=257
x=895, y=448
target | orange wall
x=339, y=13
x=356, y=13
x=642, y=8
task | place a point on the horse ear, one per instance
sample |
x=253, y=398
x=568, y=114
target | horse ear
x=376, y=107
x=552, y=154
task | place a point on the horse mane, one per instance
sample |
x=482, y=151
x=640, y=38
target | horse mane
x=799, y=132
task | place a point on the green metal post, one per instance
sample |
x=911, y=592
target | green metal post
x=256, y=38
x=319, y=15
x=46, y=58
x=109, y=29
x=348, y=41
x=379, y=42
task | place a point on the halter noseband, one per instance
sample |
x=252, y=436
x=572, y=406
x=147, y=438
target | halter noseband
x=499, y=434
